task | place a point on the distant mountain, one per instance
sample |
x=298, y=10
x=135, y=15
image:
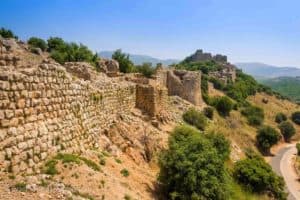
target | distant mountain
x=140, y=59
x=288, y=86
x=268, y=71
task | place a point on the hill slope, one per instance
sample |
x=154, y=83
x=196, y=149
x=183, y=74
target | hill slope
x=288, y=86
x=267, y=71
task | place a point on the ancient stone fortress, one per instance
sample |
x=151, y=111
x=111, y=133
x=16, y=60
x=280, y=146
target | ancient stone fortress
x=226, y=74
x=46, y=108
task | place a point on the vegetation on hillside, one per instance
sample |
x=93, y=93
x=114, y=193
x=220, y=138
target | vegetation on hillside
x=192, y=167
x=266, y=138
x=125, y=63
x=288, y=86
x=37, y=43
x=6, y=33
x=195, y=118
x=257, y=176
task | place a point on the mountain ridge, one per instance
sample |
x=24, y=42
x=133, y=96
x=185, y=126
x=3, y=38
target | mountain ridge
x=139, y=59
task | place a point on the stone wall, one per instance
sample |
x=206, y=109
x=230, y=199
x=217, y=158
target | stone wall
x=151, y=98
x=44, y=110
x=186, y=85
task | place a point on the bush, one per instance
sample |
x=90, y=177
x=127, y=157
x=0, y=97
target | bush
x=195, y=118
x=255, y=115
x=296, y=117
x=208, y=112
x=124, y=172
x=192, y=168
x=266, y=138
x=146, y=69
x=221, y=144
x=287, y=130
x=125, y=64
x=62, y=52
x=257, y=176
x=298, y=148
x=280, y=117
x=223, y=105
x=37, y=43
x=6, y=33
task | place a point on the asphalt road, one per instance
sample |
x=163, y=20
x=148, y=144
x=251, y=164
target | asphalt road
x=282, y=164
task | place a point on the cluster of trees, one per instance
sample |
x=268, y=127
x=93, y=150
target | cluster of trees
x=194, y=167
x=127, y=66
x=257, y=176
x=6, y=33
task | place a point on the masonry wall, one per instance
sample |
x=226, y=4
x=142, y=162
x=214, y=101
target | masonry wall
x=151, y=98
x=43, y=110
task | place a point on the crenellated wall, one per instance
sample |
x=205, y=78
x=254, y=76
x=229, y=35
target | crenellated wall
x=44, y=110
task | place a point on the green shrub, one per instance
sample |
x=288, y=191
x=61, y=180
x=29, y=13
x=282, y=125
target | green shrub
x=296, y=117
x=62, y=52
x=298, y=148
x=221, y=144
x=223, y=105
x=287, y=130
x=21, y=187
x=192, y=167
x=6, y=33
x=50, y=167
x=280, y=117
x=208, y=112
x=255, y=115
x=37, y=43
x=257, y=176
x=195, y=118
x=266, y=137
x=125, y=64
x=124, y=172
x=146, y=69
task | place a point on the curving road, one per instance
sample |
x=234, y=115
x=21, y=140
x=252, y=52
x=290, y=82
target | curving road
x=282, y=164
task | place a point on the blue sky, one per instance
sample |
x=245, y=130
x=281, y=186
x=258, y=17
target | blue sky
x=246, y=30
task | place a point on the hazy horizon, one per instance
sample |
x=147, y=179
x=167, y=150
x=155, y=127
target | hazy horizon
x=256, y=31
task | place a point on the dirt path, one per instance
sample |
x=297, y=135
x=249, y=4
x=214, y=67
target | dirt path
x=282, y=163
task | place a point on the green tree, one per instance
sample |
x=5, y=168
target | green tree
x=223, y=105
x=56, y=43
x=146, y=69
x=266, y=137
x=125, y=64
x=6, y=33
x=298, y=148
x=208, y=112
x=257, y=176
x=287, y=130
x=255, y=115
x=280, y=117
x=195, y=118
x=221, y=144
x=37, y=43
x=296, y=117
x=192, y=168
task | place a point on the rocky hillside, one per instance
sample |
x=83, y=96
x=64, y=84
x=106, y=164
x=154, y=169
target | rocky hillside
x=75, y=127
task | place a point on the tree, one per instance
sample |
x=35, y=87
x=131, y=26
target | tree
x=195, y=118
x=146, y=69
x=37, y=43
x=296, y=117
x=56, y=43
x=6, y=33
x=298, y=148
x=280, y=117
x=256, y=175
x=192, y=168
x=223, y=105
x=255, y=115
x=221, y=144
x=208, y=112
x=125, y=64
x=266, y=138
x=287, y=130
